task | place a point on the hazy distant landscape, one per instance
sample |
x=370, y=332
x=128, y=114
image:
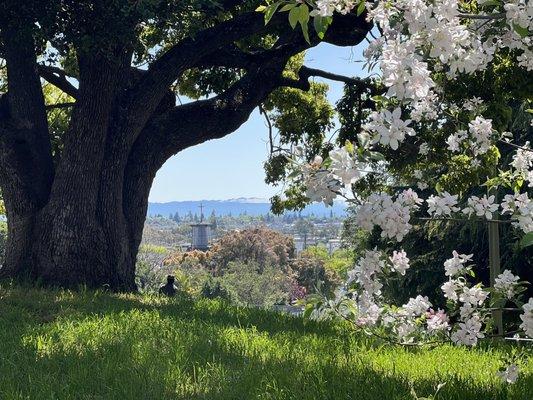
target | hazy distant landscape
x=250, y=206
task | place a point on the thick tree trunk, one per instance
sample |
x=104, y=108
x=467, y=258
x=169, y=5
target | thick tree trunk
x=72, y=249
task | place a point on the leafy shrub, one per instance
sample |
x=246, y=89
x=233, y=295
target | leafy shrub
x=212, y=289
x=310, y=272
x=150, y=270
x=261, y=246
x=249, y=285
x=191, y=277
x=340, y=261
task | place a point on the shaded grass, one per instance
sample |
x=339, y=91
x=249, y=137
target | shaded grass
x=91, y=345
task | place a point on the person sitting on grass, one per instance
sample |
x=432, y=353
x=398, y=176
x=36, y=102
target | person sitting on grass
x=169, y=289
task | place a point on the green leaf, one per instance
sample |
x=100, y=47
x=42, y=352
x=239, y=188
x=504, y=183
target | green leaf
x=305, y=31
x=321, y=25
x=527, y=240
x=349, y=147
x=361, y=8
x=363, y=139
x=294, y=15
x=261, y=9
x=304, y=14
x=489, y=3
x=270, y=11
x=523, y=32
x=308, y=311
x=287, y=7
x=376, y=156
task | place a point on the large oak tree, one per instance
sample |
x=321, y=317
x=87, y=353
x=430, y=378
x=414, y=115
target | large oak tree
x=76, y=199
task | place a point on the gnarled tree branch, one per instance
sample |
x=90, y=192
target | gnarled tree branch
x=306, y=72
x=57, y=77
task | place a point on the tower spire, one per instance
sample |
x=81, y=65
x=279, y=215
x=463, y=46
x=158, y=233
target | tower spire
x=201, y=212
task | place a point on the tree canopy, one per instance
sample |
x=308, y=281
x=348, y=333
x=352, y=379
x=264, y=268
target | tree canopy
x=92, y=106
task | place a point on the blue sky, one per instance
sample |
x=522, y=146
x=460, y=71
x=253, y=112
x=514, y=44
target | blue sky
x=233, y=166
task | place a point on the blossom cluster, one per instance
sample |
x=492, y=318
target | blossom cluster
x=416, y=319
x=388, y=128
x=326, y=8
x=391, y=215
x=419, y=38
x=320, y=184
x=520, y=206
x=478, y=137
x=523, y=163
x=527, y=318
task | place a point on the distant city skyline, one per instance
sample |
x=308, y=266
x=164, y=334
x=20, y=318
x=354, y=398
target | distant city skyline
x=232, y=167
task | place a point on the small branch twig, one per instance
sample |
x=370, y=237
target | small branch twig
x=515, y=145
x=57, y=77
x=462, y=220
x=263, y=112
x=306, y=72
x=482, y=16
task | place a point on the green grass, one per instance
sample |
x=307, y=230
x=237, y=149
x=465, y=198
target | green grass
x=63, y=345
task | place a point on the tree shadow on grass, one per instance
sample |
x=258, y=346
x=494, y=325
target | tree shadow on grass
x=54, y=350
x=211, y=369
x=52, y=305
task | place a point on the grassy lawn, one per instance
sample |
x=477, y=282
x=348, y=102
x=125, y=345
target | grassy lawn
x=63, y=345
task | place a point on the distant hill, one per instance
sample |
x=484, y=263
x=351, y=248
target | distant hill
x=249, y=206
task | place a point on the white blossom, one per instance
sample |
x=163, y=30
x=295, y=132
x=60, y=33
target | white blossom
x=388, y=128
x=521, y=208
x=324, y=8
x=506, y=283
x=417, y=306
x=442, y=205
x=450, y=289
x=474, y=296
x=405, y=329
x=523, y=160
x=422, y=185
x=437, y=321
x=457, y=264
x=400, y=262
x=527, y=318
x=368, y=314
x=472, y=104
x=481, y=206
x=481, y=131
x=469, y=332
x=343, y=166
x=454, y=141
x=519, y=13
x=392, y=216
x=509, y=374
x=423, y=149
x=322, y=187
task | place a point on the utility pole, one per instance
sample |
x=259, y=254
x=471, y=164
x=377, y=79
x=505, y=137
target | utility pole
x=494, y=260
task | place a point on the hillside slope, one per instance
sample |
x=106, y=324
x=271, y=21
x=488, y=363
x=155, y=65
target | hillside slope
x=63, y=345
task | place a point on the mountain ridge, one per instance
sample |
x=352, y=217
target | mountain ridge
x=250, y=206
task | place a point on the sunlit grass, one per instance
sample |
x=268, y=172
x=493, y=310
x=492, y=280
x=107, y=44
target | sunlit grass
x=63, y=345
